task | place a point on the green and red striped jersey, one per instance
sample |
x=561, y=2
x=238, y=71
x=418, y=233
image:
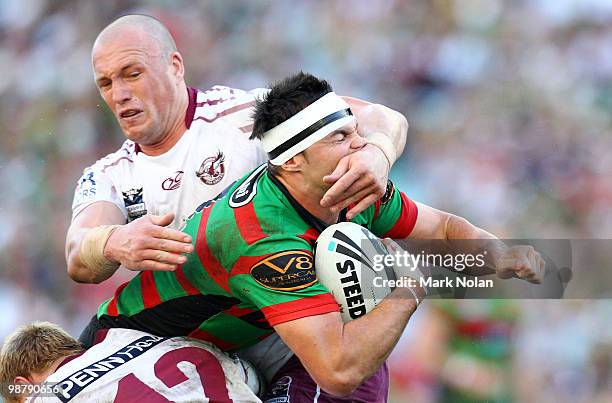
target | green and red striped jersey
x=252, y=267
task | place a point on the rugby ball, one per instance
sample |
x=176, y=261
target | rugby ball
x=348, y=262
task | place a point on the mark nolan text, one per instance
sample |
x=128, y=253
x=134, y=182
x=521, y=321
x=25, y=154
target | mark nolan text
x=430, y=282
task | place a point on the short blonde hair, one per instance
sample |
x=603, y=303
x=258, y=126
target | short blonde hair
x=33, y=348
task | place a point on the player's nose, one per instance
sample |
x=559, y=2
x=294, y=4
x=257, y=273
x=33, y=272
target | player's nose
x=121, y=93
x=357, y=142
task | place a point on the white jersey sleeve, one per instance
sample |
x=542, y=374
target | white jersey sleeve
x=98, y=184
x=133, y=366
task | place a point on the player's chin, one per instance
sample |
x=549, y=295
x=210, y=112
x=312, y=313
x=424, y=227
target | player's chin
x=137, y=133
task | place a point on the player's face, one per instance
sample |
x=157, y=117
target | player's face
x=323, y=156
x=140, y=85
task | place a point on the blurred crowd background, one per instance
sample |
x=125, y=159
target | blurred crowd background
x=509, y=108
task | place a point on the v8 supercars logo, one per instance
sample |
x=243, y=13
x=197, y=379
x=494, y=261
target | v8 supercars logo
x=285, y=271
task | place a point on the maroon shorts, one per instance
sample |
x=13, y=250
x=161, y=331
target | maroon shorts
x=293, y=384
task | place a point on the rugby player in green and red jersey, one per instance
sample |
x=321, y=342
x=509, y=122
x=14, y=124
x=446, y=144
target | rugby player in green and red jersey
x=252, y=270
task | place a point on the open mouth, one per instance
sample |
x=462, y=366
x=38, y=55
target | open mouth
x=128, y=113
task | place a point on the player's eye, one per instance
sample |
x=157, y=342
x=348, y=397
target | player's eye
x=104, y=84
x=134, y=74
x=339, y=137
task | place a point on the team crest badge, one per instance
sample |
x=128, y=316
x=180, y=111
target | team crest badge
x=134, y=203
x=212, y=169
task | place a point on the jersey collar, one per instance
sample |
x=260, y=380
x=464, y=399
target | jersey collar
x=192, y=94
x=316, y=223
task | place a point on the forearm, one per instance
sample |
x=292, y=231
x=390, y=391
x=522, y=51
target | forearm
x=85, y=243
x=391, y=135
x=467, y=234
x=382, y=127
x=78, y=270
x=521, y=261
x=368, y=341
x=340, y=356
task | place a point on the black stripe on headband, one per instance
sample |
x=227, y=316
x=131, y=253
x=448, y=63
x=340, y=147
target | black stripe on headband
x=319, y=124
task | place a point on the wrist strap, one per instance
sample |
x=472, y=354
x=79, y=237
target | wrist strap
x=414, y=294
x=92, y=249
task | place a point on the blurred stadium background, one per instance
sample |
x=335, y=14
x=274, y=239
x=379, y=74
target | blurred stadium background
x=509, y=104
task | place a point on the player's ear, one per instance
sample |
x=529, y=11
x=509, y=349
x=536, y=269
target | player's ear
x=21, y=380
x=177, y=66
x=295, y=163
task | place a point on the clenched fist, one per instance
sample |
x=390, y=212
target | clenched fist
x=521, y=261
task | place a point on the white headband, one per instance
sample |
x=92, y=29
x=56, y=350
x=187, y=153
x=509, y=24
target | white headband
x=311, y=124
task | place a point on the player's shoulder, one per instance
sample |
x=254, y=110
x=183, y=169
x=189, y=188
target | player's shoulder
x=257, y=194
x=225, y=104
x=264, y=213
x=224, y=96
x=116, y=160
x=252, y=208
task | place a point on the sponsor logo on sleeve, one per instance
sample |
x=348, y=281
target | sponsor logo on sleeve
x=134, y=203
x=286, y=271
x=86, y=187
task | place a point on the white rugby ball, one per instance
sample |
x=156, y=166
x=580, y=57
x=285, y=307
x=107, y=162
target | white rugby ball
x=346, y=264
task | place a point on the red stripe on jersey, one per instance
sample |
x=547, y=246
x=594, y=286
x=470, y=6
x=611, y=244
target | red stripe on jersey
x=376, y=208
x=247, y=129
x=244, y=263
x=226, y=112
x=111, y=308
x=301, y=308
x=310, y=236
x=192, y=93
x=213, y=102
x=237, y=311
x=406, y=221
x=236, y=108
x=248, y=224
x=206, y=336
x=209, y=262
x=115, y=163
x=185, y=284
x=150, y=295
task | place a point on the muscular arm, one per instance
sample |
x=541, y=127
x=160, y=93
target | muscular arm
x=143, y=244
x=518, y=261
x=339, y=356
x=99, y=213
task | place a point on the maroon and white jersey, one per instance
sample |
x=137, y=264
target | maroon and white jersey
x=213, y=152
x=133, y=366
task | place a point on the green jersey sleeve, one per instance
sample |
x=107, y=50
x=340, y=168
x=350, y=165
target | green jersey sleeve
x=393, y=216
